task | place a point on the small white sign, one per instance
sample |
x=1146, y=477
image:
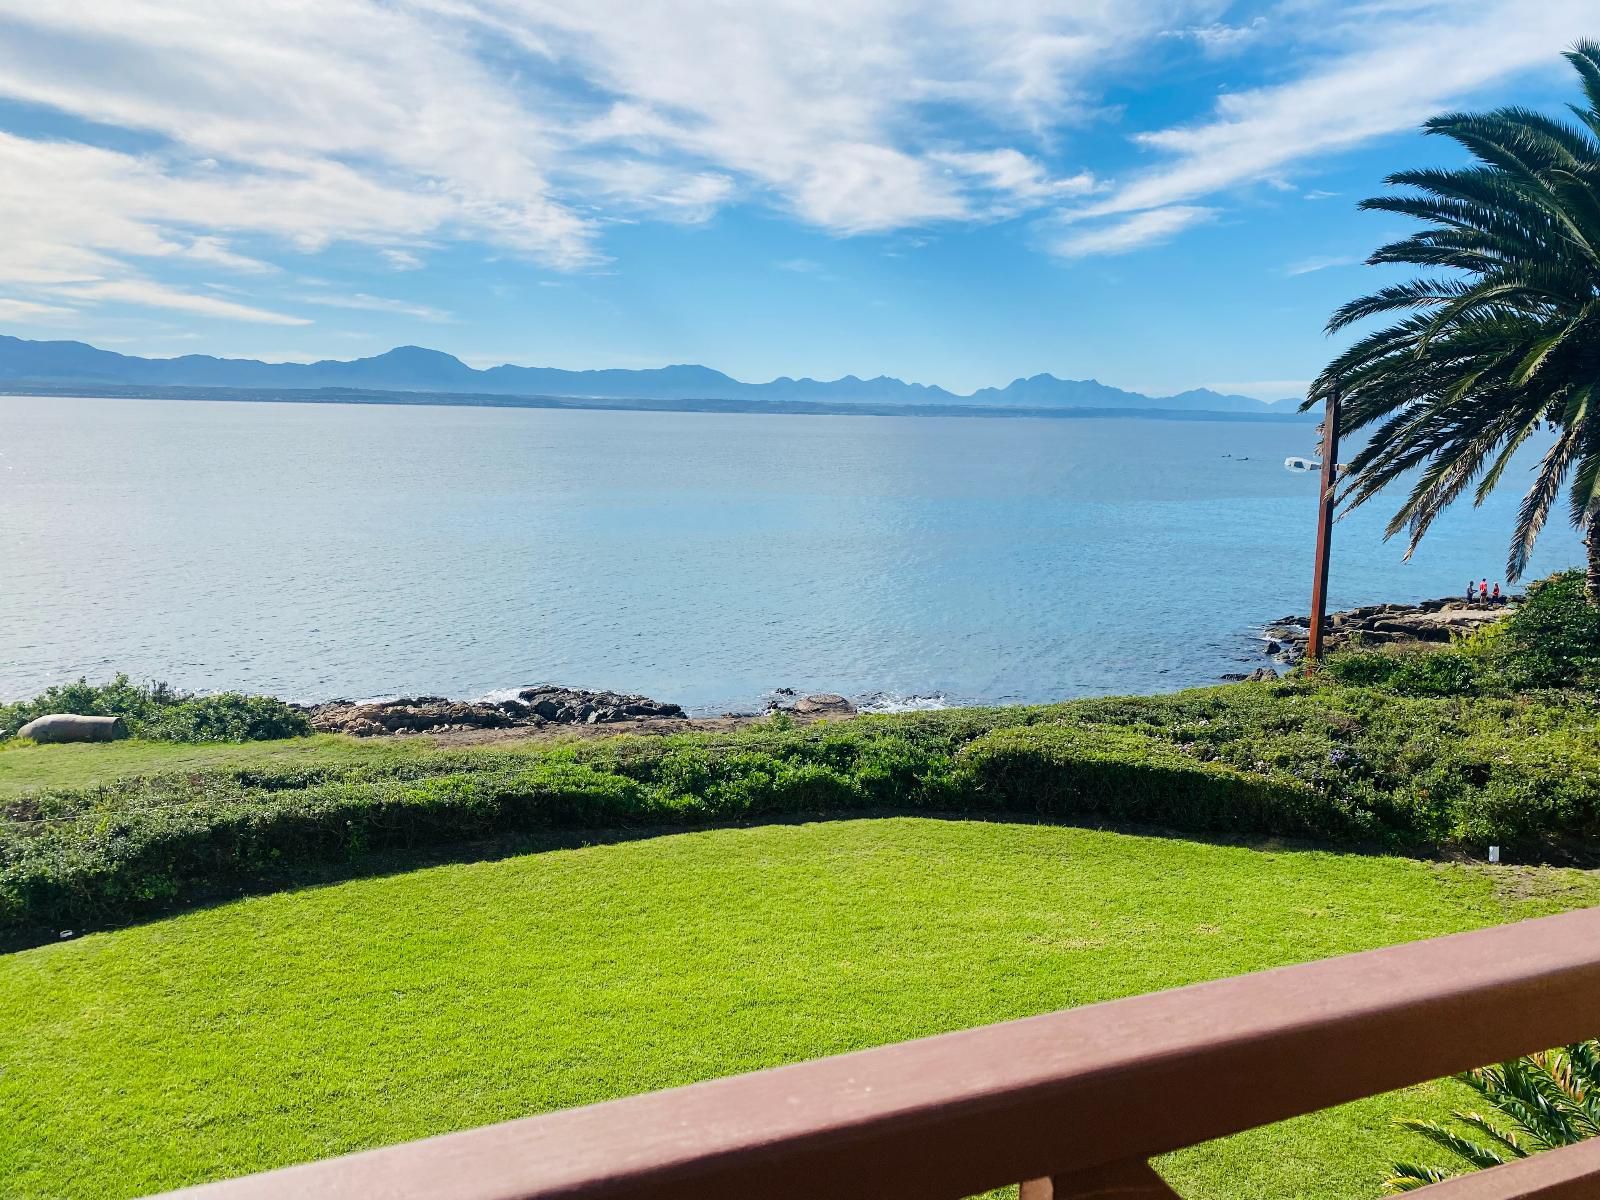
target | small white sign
x=1494, y=854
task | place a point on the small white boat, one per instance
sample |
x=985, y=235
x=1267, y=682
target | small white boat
x=1295, y=463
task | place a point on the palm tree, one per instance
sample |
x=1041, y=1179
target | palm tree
x=1507, y=340
x=1545, y=1100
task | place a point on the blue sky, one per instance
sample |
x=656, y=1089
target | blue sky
x=1156, y=193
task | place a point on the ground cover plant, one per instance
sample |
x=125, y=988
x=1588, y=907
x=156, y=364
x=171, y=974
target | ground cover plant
x=1307, y=759
x=1537, y=1102
x=1550, y=641
x=157, y=712
x=301, y=1024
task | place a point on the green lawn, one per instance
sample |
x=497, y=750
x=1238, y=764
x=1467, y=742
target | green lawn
x=314, y=1022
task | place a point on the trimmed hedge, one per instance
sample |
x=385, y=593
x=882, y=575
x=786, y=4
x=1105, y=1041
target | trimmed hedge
x=1296, y=758
x=1125, y=776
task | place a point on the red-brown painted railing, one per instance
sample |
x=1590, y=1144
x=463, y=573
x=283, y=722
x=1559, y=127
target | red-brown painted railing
x=1075, y=1102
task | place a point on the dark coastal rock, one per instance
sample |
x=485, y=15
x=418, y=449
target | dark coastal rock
x=418, y=714
x=1427, y=622
x=573, y=706
x=544, y=705
x=1261, y=675
x=825, y=704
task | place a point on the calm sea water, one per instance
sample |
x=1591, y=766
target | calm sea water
x=315, y=551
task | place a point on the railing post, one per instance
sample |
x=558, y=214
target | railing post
x=1118, y=1181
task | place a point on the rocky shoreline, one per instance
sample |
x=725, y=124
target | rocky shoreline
x=545, y=707
x=554, y=709
x=1426, y=622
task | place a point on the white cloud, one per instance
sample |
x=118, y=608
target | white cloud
x=215, y=250
x=156, y=295
x=368, y=121
x=531, y=125
x=1218, y=38
x=821, y=105
x=1129, y=233
x=365, y=303
x=1018, y=180
x=400, y=260
x=800, y=266
x=31, y=310
x=647, y=188
x=1320, y=262
x=1383, y=67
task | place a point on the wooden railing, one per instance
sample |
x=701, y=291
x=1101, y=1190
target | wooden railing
x=1074, y=1103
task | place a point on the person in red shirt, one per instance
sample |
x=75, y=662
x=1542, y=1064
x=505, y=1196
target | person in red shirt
x=1495, y=597
x=1483, y=590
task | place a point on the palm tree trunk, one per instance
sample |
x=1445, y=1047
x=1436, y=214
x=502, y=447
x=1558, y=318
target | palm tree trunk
x=1591, y=543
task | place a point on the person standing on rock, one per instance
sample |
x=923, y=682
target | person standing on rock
x=1472, y=591
x=1495, y=597
x=1483, y=591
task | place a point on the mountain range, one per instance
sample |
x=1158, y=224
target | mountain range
x=415, y=369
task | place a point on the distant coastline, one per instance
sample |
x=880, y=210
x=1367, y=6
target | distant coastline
x=626, y=403
x=418, y=375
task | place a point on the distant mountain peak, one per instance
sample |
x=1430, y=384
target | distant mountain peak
x=422, y=369
x=415, y=353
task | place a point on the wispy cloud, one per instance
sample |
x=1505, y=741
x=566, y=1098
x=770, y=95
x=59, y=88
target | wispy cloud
x=1218, y=37
x=215, y=250
x=531, y=125
x=534, y=126
x=365, y=303
x=32, y=310
x=157, y=295
x=1382, y=68
x=1017, y=182
x=400, y=260
x=1129, y=233
x=1320, y=262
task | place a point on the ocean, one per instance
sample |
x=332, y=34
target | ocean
x=316, y=551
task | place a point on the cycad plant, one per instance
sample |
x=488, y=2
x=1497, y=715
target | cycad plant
x=1503, y=339
x=1542, y=1101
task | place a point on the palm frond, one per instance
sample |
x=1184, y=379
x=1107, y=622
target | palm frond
x=1501, y=336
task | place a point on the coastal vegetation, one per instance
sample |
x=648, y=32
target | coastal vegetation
x=1550, y=641
x=157, y=712
x=1502, y=344
x=1491, y=741
x=312, y=1022
x=1540, y=1101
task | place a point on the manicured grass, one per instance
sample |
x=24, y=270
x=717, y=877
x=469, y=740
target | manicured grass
x=309, y=1023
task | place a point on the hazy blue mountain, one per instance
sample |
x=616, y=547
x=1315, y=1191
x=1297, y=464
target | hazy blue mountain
x=417, y=369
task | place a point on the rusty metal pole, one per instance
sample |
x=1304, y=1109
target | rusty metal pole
x=1330, y=483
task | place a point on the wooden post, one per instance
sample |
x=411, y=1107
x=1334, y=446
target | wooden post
x=1330, y=484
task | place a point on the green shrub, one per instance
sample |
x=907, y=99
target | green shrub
x=1359, y=667
x=1123, y=775
x=158, y=712
x=1304, y=757
x=1550, y=640
x=1553, y=638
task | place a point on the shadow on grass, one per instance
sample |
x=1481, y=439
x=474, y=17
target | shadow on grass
x=379, y=863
